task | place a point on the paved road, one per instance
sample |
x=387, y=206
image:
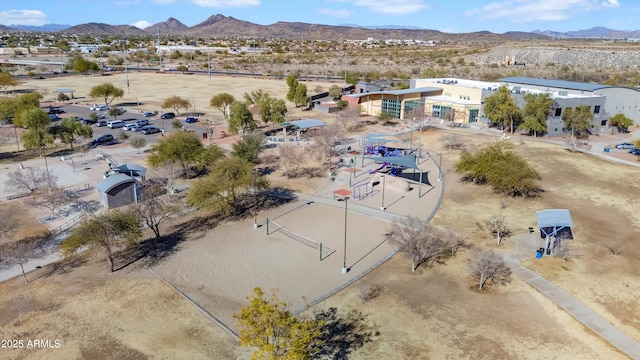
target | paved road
x=526, y=248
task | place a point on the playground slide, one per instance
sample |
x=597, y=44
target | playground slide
x=384, y=165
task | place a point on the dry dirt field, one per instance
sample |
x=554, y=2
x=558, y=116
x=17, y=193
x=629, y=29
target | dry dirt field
x=434, y=313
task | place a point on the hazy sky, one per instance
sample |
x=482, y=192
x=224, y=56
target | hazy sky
x=444, y=15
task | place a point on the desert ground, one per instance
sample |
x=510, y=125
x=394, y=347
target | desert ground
x=433, y=313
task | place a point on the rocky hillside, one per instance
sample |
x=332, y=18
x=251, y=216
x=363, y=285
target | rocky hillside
x=545, y=55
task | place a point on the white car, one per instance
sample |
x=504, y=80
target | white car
x=132, y=126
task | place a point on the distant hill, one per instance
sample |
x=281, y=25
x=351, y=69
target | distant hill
x=41, y=28
x=104, y=29
x=524, y=35
x=595, y=32
x=170, y=26
x=226, y=26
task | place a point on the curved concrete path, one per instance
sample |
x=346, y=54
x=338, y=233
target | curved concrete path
x=526, y=246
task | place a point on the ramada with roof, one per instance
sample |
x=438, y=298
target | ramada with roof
x=461, y=101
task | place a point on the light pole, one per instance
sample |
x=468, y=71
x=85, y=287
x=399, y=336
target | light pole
x=383, y=183
x=345, y=269
x=439, y=165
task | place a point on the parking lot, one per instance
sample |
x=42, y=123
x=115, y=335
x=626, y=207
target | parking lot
x=130, y=116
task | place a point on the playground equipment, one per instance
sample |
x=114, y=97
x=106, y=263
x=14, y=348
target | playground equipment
x=384, y=165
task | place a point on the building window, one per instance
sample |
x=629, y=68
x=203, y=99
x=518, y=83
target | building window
x=410, y=106
x=596, y=109
x=558, y=112
x=391, y=107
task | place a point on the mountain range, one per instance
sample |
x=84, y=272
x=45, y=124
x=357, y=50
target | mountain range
x=225, y=26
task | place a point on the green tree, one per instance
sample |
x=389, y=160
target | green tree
x=621, y=122
x=221, y=102
x=272, y=110
x=7, y=80
x=138, y=142
x=218, y=191
x=501, y=109
x=70, y=130
x=37, y=135
x=498, y=166
x=267, y=325
x=255, y=96
x=578, y=120
x=85, y=66
x=175, y=103
x=249, y=147
x=240, y=118
x=301, y=98
x=536, y=112
x=104, y=233
x=292, y=82
x=115, y=112
x=352, y=77
x=106, y=91
x=185, y=149
x=335, y=92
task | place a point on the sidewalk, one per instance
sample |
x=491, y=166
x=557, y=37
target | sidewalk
x=526, y=248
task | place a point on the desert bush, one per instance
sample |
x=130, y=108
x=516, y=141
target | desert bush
x=368, y=292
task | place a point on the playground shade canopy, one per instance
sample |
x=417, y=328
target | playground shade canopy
x=304, y=124
x=555, y=222
x=407, y=161
x=383, y=138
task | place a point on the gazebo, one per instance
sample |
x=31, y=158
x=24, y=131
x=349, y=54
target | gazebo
x=65, y=91
x=300, y=125
x=554, y=223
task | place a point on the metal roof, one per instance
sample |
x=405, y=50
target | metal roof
x=400, y=92
x=132, y=169
x=559, y=84
x=113, y=181
x=305, y=124
x=553, y=217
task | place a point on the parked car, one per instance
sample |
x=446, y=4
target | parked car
x=149, y=130
x=115, y=124
x=148, y=114
x=191, y=119
x=54, y=117
x=168, y=115
x=94, y=107
x=104, y=139
x=130, y=127
x=625, y=146
x=88, y=121
x=55, y=111
x=635, y=151
x=102, y=116
x=101, y=123
x=143, y=122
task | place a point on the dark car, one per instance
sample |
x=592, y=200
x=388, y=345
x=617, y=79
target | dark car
x=625, y=146
x=56, y=111
x=88, y=121
x=168, y=115
x=191, y=119
x=635, y=151
x=104, y=139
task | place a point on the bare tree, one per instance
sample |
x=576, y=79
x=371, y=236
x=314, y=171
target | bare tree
x=418, y=240
x=487, y=266
x=52, y=199
x=348, y=117
x=368, y=292
x=291, y=159
x=168, y=174
x=563, y=250
x=153, y=210
x=616, y=248
x=452, y=141
x=20, y=251
x=456, y=242
x=29, y=180
x=499, y=228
